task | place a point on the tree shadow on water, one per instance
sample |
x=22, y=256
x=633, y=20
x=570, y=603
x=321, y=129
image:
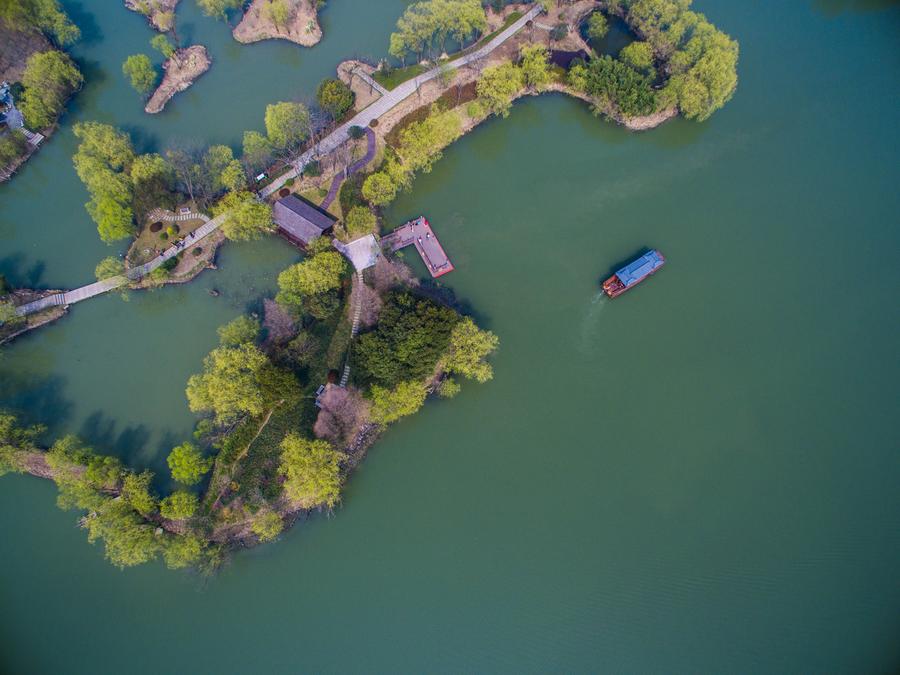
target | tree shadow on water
x=13, y=268
x=128, y=445
x=36, y=401
x=90, y=29
x=832, y=8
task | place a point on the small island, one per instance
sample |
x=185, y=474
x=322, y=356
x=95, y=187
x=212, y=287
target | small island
x=181, y=70
x=294, y=20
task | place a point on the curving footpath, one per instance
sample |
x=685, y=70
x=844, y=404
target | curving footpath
x=135, y=273
x=350, y=170
x=390, y=100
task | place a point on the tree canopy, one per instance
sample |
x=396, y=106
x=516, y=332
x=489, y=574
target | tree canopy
x=219, y=9
x=187, y=464
x=49, y=79
x=535, y=66
x=469, y=345
x=243, y=330
x=389, y=405
x=231, y=384
x=140, y=71
x=616, y=87
x=245, y=216
x=334, y=97
x=427, y=25
x=109, y=267
x=179, y=505
x=163, y=45
x=287, y=125
x=498, y=85
x=311, y=470
x=45, y=16
x=103, y=157
x=597, y=26
x=309, y=278
x=411, y=335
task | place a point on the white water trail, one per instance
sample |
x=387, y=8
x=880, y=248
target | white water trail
x=588, y=343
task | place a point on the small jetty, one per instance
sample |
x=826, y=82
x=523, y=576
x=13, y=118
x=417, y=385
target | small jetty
x=419, y=233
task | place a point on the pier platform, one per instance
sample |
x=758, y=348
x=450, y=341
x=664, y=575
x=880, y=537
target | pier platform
x=418, y=232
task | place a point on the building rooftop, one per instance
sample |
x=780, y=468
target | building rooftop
x=300, y=220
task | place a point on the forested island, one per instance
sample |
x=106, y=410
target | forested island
x=290, y=401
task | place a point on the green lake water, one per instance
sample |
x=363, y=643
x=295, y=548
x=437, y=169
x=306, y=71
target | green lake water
x=701, y=476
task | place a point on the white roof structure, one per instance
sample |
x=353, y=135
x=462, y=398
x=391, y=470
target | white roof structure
x=362, y=252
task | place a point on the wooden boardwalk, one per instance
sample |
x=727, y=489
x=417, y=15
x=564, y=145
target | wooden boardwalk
x=418, y=232
x=390, y=100
x=135, y=273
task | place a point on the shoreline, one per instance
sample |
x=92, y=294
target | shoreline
x=182, y=69
x=302, y=27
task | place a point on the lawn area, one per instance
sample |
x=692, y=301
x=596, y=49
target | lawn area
x=398, y=76
x=150, y=240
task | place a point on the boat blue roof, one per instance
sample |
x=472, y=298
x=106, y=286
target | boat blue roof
x=636, y=270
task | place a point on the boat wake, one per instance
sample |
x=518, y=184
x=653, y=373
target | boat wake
x=588, y=341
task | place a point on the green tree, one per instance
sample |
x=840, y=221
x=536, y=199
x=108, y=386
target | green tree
x=163, y=45
x=219, y=9
x=12, y=146
x=287, y=125
x=242, y=330
x=8, y=313
x=16, y=439
x=267, y=525
x=231, y=384
x=618, y=89
x=140, y=71
x=498, y=85
x=597, y=26
x=187, y=463
x=411, y=336
x=312, y=277
x=427, y=25
x=129, y=539
x=379, y=188
x=153, y=184
x=179, y=505
x=638, y=55
x=278, y=12
x=136, y=492
x=469, y=345
x=389, y=405
x=257, y=150
x=334, y=97
x=535, y=66
x=311, y=470
x=359, y=222
x=245, y=216
x=102, y=161
x=420, y=143
x=49, y=79
x=45, y=16
x=108, y=268
x=182, y=550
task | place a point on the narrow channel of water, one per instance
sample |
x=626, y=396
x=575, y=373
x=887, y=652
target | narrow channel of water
x=699, y=476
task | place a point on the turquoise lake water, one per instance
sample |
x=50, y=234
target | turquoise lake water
x=700, y=476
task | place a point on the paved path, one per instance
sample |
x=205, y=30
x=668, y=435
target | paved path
x=350, y=170
x=369, y=80
x=135, y=273
x=391, y=99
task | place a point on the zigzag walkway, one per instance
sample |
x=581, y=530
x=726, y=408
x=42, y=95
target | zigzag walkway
x=135, y=273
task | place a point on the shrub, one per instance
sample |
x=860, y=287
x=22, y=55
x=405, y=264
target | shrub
x=196, y=252
x=559, y=31
x=313, y=169
x=164, y=236
x=356, y=132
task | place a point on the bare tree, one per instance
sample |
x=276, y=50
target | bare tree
x=342, y=412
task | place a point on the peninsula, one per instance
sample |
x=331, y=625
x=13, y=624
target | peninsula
x=290, y=400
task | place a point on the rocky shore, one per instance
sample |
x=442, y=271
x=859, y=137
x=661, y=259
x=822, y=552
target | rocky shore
x=182, y=70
